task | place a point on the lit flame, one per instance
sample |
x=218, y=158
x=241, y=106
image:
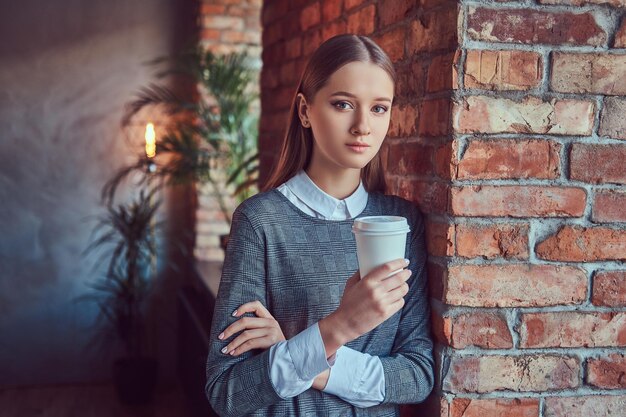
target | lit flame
x=150, y=141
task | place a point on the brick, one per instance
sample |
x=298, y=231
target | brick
x=609, y=289
x=585, y=406
x=287, y=73
x=572, y=329
x=588, y=73
x=613, y=122
x=503, y=70
x=404, y=121
x=534, y=27
x=517, y=285
x=445, y=165
x=269, y=80
x=410, y=81
x=222, y=22
x=434, y=117
x=616, y=3
x=485, y=330
x=310, y=16
x=351, y=4
x=607, y=372
x=210, y=34
x=429, y=4
x=332, y=29
x=311, y=41
x=584, y=244
x=609, y=206
x=508, y=159
x=441, y=328
x=362, y=21
x=492, y=241
x=489, y=373
x=620, y=35
x=209, y=9
x=433, y=31
x=431, y=197
x=293, y=48
x=393, y=11
x=272, y=34
x=480, y=114
x=440, y=238
x=409, y=159
x=331, y=9
x=498, y=407
x=233, y=36
x=440, y=77
x=392, y=43
x=518, y=201
x=236, y=11
x=598, y=164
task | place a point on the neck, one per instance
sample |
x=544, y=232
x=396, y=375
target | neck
x=339, y=182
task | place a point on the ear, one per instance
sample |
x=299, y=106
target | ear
x=303, y=109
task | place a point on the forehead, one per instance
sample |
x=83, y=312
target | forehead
x=363, y=79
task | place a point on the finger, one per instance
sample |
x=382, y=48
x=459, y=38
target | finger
x=385, y=270
x=259, y=342
x=395, y=280
x=396, y=306
x=245, y=323
x=243, y=337
x=397, y=293
x=253, y=307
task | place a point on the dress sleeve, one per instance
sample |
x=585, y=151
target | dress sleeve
x=238, y=385
x=409, y=368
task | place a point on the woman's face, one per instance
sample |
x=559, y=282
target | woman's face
x=349, y=116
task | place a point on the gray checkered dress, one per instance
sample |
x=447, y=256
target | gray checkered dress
x=297, y=266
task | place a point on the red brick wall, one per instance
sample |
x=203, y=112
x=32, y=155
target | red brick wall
x=508, y=132
x=533, y=287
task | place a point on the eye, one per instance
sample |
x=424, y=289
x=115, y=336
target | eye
x=339, y=104
x=381, y=109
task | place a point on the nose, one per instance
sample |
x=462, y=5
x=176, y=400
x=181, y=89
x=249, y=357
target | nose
x=361, y=125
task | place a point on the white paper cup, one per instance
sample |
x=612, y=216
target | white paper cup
x=379, y=239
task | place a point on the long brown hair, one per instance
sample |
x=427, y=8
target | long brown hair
x=297, y=147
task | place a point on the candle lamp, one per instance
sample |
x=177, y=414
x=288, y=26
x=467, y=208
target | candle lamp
x=150, y=137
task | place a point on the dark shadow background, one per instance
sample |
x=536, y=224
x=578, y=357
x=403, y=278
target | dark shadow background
x=67, y=67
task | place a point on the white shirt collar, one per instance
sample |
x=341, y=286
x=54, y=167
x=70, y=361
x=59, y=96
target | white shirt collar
x=316, y=199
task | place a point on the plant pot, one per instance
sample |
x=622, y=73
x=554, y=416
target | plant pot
x=135, y=379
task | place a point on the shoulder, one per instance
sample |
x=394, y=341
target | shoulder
x=260, y=208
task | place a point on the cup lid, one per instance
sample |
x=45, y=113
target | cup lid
x=380, y=224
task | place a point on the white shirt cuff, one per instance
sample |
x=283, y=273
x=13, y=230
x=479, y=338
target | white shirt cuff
x=357, y=378
x=308, y=353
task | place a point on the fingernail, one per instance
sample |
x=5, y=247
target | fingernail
x=235, y=313
x=221, y=336
x=224, y=350
x=406, y=261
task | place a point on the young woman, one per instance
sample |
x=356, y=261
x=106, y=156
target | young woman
x=296, y=332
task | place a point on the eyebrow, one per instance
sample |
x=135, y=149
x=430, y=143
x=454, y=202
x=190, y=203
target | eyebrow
x=343, y=93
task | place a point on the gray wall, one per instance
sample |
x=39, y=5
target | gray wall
x=66, y=69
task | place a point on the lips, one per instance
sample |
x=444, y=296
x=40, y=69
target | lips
x=358, y=147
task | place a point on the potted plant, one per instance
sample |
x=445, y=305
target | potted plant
x=126, y=232
x=222, y=122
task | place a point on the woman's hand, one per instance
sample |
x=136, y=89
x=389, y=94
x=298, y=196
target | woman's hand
x=259, y=332
x=365, y=304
